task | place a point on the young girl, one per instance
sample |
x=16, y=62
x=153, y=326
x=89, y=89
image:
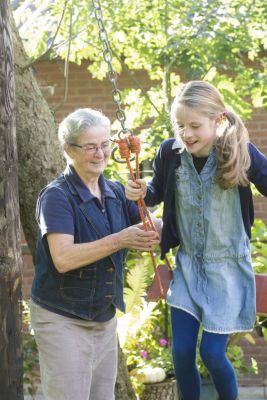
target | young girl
x=203, y=179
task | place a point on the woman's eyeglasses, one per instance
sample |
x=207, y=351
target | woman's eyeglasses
x=92, y=148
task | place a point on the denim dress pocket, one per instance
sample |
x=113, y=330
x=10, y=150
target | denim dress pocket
x=182, y=181
x=78, y=285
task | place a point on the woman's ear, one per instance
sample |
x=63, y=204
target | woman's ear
x=68, y=150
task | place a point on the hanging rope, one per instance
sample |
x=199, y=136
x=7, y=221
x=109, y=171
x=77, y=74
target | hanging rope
x=127, y=144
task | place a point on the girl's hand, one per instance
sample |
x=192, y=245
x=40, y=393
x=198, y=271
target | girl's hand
x=136, y=190
x=157, y=223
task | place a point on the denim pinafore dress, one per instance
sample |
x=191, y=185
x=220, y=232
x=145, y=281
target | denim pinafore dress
x=213, y=279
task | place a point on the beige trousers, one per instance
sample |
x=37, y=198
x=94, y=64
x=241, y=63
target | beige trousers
x=78, y=359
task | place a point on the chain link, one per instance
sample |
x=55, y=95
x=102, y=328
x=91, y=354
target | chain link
x=112, y=75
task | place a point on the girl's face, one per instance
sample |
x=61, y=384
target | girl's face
x=197, y=131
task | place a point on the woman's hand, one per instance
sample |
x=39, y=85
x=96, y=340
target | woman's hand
x=135, y=237
x=68, y=255
x=135, y=190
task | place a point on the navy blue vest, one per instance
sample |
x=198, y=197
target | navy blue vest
x=88, y=291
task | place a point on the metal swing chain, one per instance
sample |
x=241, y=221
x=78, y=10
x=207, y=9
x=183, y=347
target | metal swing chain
x=112, y=75
x=120, y=114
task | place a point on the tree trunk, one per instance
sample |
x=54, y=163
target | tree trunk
x=40, y=160
x=123, y=389
x=39, y=154
x=11, y=387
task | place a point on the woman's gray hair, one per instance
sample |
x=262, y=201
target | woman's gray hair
x=78, y=122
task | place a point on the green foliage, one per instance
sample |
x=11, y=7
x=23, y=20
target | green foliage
x=138, y=311
x=141, y=328
x=261, y=326
x=259, y=247
x=236, y=356
x=148, y=347
x=223, y=42
x=136, y=285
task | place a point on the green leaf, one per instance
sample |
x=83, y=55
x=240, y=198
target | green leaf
x=136, y=286
x=264, y=332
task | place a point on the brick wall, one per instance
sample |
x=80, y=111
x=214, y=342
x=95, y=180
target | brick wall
x=257, y=128
x=83, y=91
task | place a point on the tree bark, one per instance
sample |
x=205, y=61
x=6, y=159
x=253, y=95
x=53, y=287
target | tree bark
x=124, y=389
x=40, y=160
x=11, y=386
x=39, y=154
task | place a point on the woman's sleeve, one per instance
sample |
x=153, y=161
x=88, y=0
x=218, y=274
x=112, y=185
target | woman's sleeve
x=54, y=212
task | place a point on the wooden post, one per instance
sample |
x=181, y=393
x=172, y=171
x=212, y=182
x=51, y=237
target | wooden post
x=11, y=386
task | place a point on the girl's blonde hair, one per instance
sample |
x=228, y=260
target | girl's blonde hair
x=231, y=144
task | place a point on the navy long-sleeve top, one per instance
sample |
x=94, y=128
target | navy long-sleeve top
x=161, y=188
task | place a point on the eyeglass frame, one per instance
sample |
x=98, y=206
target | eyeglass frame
x=93, y=149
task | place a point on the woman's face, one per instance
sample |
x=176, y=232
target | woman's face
x=197, y=131
x=90, y=154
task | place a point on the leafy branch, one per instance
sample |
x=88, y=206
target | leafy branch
x=51, y=47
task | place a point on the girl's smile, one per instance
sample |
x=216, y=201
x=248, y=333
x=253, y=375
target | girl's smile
x=197, y=131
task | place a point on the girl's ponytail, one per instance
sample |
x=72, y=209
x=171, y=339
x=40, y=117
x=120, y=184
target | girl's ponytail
x=232, y=153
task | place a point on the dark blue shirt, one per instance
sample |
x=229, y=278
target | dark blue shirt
x=161, y=188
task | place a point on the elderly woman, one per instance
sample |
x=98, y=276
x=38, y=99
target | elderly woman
x=86, y=226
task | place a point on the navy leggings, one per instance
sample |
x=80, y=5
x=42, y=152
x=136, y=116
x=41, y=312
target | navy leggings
x=185, y=329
